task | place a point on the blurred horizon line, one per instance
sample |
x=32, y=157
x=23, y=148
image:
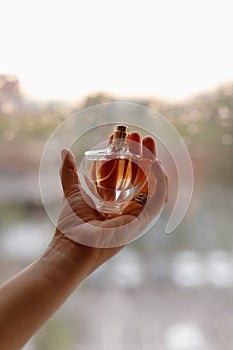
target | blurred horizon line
x=11, y=77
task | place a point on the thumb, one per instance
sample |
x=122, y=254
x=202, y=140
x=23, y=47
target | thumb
x=68, y=172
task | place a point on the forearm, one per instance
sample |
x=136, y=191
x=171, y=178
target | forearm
x=30, y=298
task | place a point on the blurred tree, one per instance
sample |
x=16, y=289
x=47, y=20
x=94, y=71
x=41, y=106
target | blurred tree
x=95, y=99
x=10, y=93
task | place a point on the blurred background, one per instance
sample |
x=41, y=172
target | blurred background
x=171, y=292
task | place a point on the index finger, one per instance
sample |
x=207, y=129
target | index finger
x=134, y=142
x=148, y=147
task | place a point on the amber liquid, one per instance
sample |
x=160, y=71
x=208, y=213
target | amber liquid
x=118, y=180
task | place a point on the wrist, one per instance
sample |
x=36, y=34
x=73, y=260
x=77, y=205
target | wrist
x=64, y=261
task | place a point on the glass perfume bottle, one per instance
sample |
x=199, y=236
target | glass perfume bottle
x=113, y=176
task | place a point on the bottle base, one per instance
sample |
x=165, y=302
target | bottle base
x=111, y=208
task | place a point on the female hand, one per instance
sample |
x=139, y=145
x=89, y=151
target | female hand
x=99, y=236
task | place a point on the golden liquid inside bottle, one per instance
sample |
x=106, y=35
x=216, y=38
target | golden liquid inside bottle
x=117, y=180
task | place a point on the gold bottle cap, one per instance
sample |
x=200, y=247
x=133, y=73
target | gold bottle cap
x=121, y=132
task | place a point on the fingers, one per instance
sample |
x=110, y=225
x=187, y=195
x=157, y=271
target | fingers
x=148, y=147
x=146, y=150
x=110, y=139
x=134, y=143
x=68, y=172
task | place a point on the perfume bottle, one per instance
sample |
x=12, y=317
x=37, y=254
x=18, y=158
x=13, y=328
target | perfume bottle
x=113, y=176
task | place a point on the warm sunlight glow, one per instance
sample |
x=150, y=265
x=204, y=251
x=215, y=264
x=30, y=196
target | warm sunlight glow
x=159, y=48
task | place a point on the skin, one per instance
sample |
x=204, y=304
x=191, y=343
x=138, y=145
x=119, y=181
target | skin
x=29, y=298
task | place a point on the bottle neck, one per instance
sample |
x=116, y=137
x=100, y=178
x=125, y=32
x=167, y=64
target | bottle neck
x=119, y=142
x=118, y=145
x=120, y=135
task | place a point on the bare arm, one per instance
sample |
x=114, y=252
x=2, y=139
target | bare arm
x=33, y=295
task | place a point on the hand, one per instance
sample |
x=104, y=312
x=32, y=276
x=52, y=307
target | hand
x=99, y=236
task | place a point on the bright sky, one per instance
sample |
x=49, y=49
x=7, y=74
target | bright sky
x=168, y=48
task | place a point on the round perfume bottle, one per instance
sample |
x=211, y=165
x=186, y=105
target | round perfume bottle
x=112, y=176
